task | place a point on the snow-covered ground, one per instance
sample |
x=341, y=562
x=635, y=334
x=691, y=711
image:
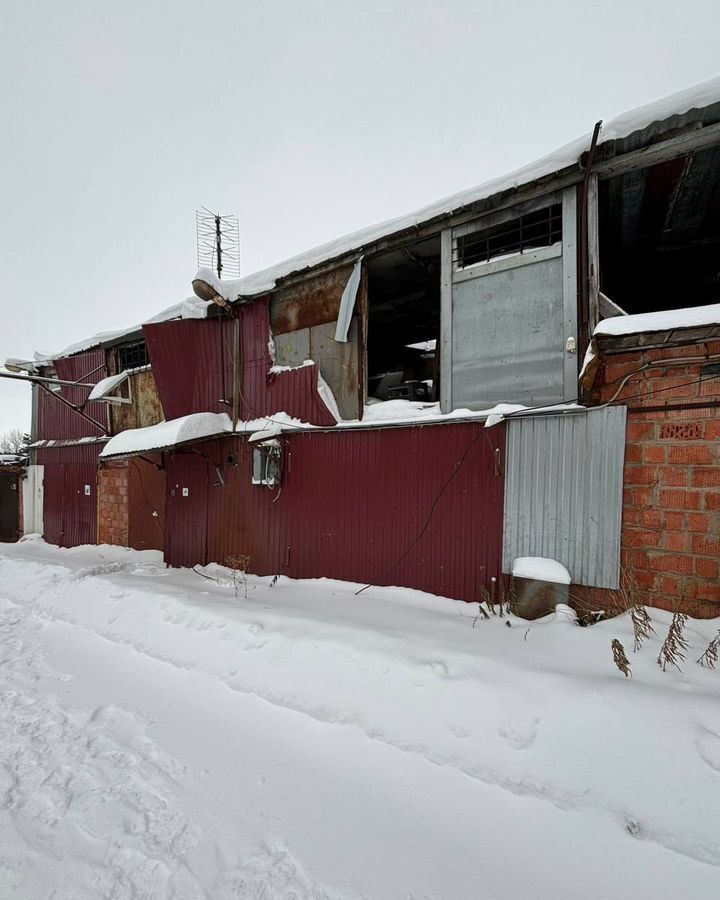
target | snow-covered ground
x=163, y=735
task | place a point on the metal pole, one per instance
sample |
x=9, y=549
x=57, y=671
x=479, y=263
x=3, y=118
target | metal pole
x=38, y=379
x=74, y=408
x=218, y=245
x=236, y=370
x=583, y=275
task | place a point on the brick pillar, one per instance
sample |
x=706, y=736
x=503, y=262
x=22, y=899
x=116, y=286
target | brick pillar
x=670, y=543
x=113, y=503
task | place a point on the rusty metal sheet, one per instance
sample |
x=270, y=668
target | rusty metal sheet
x=146, y=499
x=145, y=408
x=310, y=302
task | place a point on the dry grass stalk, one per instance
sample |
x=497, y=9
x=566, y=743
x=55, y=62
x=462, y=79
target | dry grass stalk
x=642, y=625
x=709, y=657
x=239, y=565
x=620, y=659
x=675, y=645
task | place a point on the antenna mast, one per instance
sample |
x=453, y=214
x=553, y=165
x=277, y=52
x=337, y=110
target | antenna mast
x=218, y=242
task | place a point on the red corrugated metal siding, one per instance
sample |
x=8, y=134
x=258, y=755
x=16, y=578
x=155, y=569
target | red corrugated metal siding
x=186, y=516
x=263, y=393
x=56, y=421
x=193, y=361
x=69, y=514
x=351, y=505
x=192, y=364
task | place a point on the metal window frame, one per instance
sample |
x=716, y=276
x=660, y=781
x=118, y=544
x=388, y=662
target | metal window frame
x=131, y=345
x=502, y=217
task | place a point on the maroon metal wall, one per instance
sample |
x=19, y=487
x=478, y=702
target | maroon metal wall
x=69, y=514
x=192, y=362
x=263, y=392
x=352, y=503
x=55, y=420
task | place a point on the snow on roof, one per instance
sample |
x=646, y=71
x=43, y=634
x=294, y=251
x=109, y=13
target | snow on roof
x=696, y=97
x=261, y=282
x=202, y=426
x=10, y=459
x=192, y=308
x=665, y=320
x=194, y=427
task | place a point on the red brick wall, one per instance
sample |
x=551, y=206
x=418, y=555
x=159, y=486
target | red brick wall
x=670, y=544
x=113, y=503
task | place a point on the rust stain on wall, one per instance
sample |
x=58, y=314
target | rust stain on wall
x=145, y=408
x=314, y=301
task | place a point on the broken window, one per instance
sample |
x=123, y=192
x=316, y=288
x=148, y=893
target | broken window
x=404, y=322
x=526, y=233
x=659, y=232
x=267, y=467
x=132, y=356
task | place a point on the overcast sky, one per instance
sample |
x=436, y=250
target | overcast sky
x=306, y=119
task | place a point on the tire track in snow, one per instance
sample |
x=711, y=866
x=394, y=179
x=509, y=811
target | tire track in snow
x=708, y=853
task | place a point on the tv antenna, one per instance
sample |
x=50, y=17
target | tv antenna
x=218, y=242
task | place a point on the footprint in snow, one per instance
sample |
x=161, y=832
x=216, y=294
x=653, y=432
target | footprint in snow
x=439, y=668
x=520, y=737
x=708, y=747
x=458, y=730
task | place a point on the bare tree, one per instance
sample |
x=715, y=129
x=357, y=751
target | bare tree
x=14, y=441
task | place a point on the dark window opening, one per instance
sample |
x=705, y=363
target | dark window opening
x=404, y=323
x=659, y=234
x=528, y=232
x=132, y=356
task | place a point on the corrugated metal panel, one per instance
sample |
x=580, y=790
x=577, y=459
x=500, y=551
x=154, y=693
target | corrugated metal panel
x=263, y=393
x=55, y=420
x=188, y=476
x=192, y=362
x=69, y=514
x=351, y=505
x=563, y=496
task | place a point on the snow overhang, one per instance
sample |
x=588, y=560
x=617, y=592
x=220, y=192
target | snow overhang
x=666, y=328
x=167, y=435
x=194, y=428
x=104, y=389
